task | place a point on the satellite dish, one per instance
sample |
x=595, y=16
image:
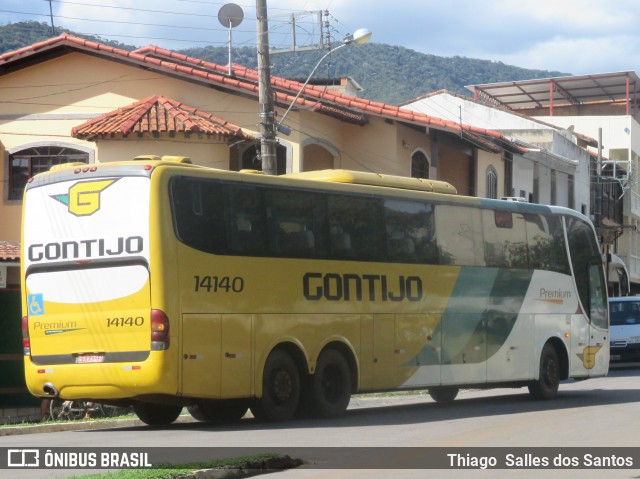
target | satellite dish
x=230, y=15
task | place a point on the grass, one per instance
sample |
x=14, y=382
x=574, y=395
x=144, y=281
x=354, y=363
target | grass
x=175, y=471
x=38, y=422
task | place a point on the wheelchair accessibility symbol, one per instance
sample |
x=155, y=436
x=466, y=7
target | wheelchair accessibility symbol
x=36, y=304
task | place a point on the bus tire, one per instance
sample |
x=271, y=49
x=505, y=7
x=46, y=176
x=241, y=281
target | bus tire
x=546, y=387
x=156, y=414
x=219, y=412
x=280, y=389
x=331, y=385
x=443, y=394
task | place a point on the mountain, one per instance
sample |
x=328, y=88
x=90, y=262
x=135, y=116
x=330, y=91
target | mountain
x=391, y=74
x=17, y=35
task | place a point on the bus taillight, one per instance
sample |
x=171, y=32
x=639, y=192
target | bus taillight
x=26, y=341
x=159, y=330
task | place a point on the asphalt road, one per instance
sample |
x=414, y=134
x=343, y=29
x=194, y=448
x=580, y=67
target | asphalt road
x=598, y=413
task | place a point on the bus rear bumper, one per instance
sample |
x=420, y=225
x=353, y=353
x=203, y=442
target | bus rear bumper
x=98, y=381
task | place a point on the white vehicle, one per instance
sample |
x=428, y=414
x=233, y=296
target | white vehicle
x=617, y=277
x=625, y=328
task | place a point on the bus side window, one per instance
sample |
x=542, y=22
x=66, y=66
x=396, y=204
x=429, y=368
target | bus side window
x=295, y=222
x=246, y=221
x=198, y=212
x=409, y=230
x=505, y=239
x=459, y=235
x=545, y=240
x=340, y=243
x=360, y=220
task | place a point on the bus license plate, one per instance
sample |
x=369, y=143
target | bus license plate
x=90, y=358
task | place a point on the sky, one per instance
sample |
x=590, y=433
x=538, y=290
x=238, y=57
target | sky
x=571, y=36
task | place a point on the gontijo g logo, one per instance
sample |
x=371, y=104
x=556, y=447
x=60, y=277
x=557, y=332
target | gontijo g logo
x=83, y=198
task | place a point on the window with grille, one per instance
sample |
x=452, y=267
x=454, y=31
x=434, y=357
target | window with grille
x=492, y=183
x=419, y=165
x=26, y=163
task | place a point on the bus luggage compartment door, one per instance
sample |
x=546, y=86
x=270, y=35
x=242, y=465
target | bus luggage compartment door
x=200, y=355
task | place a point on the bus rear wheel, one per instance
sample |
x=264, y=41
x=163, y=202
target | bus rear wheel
x=331, y=385
x=443, y=394
x=280, y=389
x=546, y=387
x=156, y=414
x=218, y=411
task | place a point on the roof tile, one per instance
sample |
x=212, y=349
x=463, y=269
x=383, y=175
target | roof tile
x=9, y=251
x=157, y=114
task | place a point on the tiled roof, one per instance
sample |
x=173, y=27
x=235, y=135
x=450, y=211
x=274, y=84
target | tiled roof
x=285, y=91
x=9, y=251
x=157, y=114
x=244, y=80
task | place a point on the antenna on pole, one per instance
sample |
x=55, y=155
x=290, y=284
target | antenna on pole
x=53, y=28
x=307, y=31
x=230, y=16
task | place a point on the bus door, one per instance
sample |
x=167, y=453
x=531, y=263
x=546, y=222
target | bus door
x=596, y=360
x=592, y=356
x=589, y=332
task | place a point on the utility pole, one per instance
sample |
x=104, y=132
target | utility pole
x=265, y=94
x=598, y=190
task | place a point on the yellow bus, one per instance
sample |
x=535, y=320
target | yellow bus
x=164, y=285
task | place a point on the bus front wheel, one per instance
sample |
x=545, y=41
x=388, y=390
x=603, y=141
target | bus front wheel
x=546, y=387
x=156, y=414
x=280, y=389
x=443, y=394
x=218, y=411
x=331, y=385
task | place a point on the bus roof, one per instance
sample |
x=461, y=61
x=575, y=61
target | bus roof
x=375, y=179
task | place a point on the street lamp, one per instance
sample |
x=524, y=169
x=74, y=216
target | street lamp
x=359, y=37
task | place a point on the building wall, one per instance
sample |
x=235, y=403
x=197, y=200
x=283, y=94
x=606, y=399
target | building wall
x=455, y=167
x=620, y=142
x=523, y=175
x=317, y=157
x=530, y=130
x=201, y=152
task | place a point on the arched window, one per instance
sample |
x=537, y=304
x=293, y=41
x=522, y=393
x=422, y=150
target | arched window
x=492, y=183
x=419, y=165
x=26, y=163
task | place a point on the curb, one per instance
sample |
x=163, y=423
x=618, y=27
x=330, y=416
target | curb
x=44, y=427
x=250, y=469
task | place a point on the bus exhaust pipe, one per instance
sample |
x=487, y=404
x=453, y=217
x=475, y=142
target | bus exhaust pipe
x=50, y=390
